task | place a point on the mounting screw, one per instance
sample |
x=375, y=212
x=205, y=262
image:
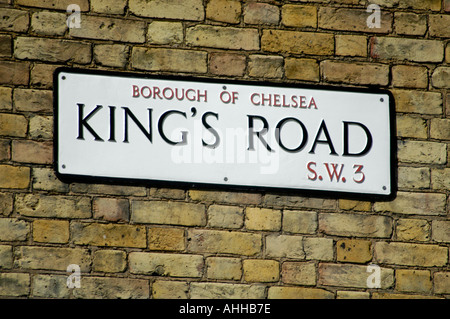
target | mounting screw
x=381, y=100
x=225, y=179
x=63, y=77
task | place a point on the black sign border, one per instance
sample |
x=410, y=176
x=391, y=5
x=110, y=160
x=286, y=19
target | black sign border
x=71, y=178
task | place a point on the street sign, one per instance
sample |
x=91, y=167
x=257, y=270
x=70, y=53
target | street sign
x=118, y=127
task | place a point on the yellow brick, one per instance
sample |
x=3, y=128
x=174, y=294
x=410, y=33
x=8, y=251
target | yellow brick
x=351, y=45
x=353, y=250
x=302, y=69
x=413, y=280
x=51, y=231
x=262, y=219
x=257, y=270
x=224, y=10
x=14, y=176
x=297, y=42
x=299, y=16
x=166, y=238
x=13, y=125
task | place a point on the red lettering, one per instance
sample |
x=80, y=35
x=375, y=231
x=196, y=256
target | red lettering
x=149, y=92
x=251, y=99
x=294, y=100
x=314, y=177
x=312, y=102
x=284, y=101
x=334, y=173
x=135, y=91
x=303, y=102
x=359, y=171
x=276, y=100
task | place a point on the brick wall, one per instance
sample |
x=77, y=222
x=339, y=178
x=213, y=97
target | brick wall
x=148, y=242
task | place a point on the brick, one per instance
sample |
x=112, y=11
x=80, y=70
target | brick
x=42, y=75
x=414, y=177
x=54, y=4
x=408, y=126
x=407, y=23
x=5, y=46
x=297, y=42
x=227, y=64
x=348, y=204
x=441, y=230
x=227, y=242
x=299, y=222
x=159, y=59
x=434, y=5
x=108, y=7
x=50, y=286
x=27, y=151
x=279, y=246
x=6, y=204
x=172, y=213
x=422, y=152
x=318, y=248
x=238, y=198
x=418, y=102
x=14, y=176
x=34, y=205
x=224, y=11
x=223, y=37
x=51, y=258
x=112, y=29
x=5, y=150
x=352, y=295
x=355, y=73
x=413, y=230
x=407, y=254
x=108, y=235
x=6, y=257
x=109, y=261
x=409, y=76
x=14, y=72
x=446, y=5
x=51, y=231
x=14, y=20
x=30, y=100
x=52, y=50
x=346, y=19
x=115, y=55
x=5, y=98
x=264, y=66
x=186, y=10
x=167, y=193
x=441, y=77
x=385, y=295
x=272, y=200
x=299, y=16
x=353, y=251
x=163, y=264
x=442, y=282
x=111, y=209
x=45, y=179
x=260, y=270
x=440, y=178
x=120, y=190
x=440, y=129
x=439, y=25
x=112, y=288
x=261, y=13
x=163, y=32
x=205, y=290
x=358, y=225
x=413, y=280
x=298, y=293
x=14, y=284
x=223, y=268
x=351, y=45
x=163, y=289
x=12, y=229
x=225, y=216
x=14, y=125
x=166, y=238
x=298, y=273
x=262, y=219
x=414, y=203
x=356, y=276
x=41, y=127
x=302, y=69
x=416, y=50
x=49, y=23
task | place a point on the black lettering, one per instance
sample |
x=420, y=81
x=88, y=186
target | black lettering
x=278, y=134
x=323, y=127
x=161, y=131
x=83, y=122
x=259, y=134
x=210, y=129
x=130, y=114
x=368, y=143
